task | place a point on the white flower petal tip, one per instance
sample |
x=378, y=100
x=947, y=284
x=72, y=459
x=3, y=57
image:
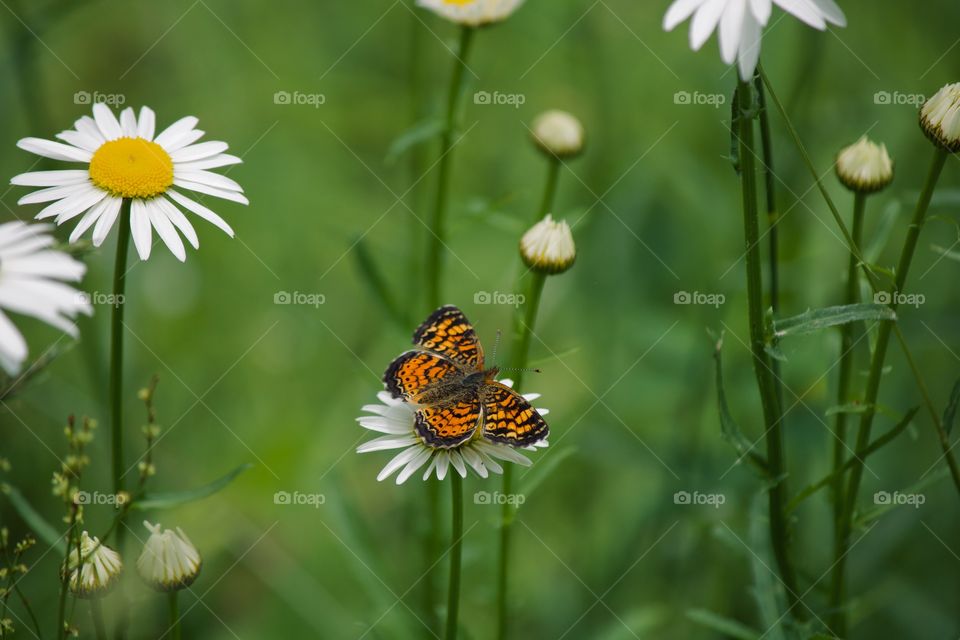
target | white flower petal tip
x=740, y=24
x=548, y=247
x=472, y=13
x=865, y=167
x=397, y=419
x=940, y=118
x=169, y=561
x=92, y=569
x=558, y=133
x=32, y=283
x=125, y=162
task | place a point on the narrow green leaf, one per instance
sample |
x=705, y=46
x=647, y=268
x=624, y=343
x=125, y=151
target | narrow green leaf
x=171, y=499
x=873, y=447
x=950, y=413
x=37, y=523
x=817, y=319
x=720, y=624
x=419, y=133
x=849, y=408
x=728, y=426
x=946, y=253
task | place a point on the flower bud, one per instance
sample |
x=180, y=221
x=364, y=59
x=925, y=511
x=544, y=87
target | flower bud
x=472, y=13
x=865, y=167
x=558, y=133
x=93, y=569
x=940, y=118
x=169, y=561
x=548, y=246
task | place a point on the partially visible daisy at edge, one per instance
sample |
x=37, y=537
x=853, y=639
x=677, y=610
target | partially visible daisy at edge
x=396, y=419
x=741, y=24
x=32, y=283
x=472, y=13
x=126, y=161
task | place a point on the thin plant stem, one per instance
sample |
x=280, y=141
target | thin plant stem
x=416, y=164
x=65, y=577
x=871, y=280
x=875, y=377
x=456, y=535
x=772, y=410
x=520, y=353
x=438, y=217
x=174, y=607
x=847, y=360
x=96, y=612
x=550, y=189
x=116, y=349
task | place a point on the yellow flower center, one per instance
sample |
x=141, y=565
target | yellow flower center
x=132, y=168
x=459, y=3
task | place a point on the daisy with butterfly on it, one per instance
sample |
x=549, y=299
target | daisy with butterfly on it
x=445, y=410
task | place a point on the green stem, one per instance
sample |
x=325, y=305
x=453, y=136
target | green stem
x=116, y=348
x=520, y=353
x=437, y=220
x=769, y=177
x=550, y=190
x=865, y=266
x=65, y=576
x=847, y=360
x=96, y=612
x=456, y=534
x=174, y=615
x=876, y=375
x=417, y=161
x=772, y=410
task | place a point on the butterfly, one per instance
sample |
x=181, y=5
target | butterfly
x=459, y=399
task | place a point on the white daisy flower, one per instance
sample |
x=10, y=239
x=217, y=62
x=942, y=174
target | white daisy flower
x=99, y=567
x=741, y=23
x=126, y=161
x=169, y=561
x=32, y=277
x=472, y=13
x=396, y=419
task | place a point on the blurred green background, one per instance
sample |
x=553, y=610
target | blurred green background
x=601, y=550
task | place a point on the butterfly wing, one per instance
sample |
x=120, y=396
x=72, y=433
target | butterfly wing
x=413, y=372
x=450, y=425
x=509, y=419
x=448, y=332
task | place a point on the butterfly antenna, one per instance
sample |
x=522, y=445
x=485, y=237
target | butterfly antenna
x=524, y=369
x=496, y=345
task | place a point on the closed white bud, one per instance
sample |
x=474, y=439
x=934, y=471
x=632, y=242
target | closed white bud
x=940, y=117
x=548, y=246
x=865, y=167
x=558, y=133
x=472, y=13
x=169, y=560
x=92, y=569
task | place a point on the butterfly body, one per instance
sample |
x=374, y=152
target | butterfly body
x=459, y=399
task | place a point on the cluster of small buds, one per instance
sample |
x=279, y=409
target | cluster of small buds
x=151, y=430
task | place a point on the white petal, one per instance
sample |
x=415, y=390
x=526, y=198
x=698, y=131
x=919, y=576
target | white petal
x=731, y=25
x=81, y=140
x=107, y=218
x=54, y=150
x=705, y=21
x=832, y=12
x=443, y=464
x=128, y=123
x=88, y=219
x=13, y=348
x=749, y=54
x=201, y=211
x=210, y=191
x=215, y=162
x=805, y=10
x=146, y=123
x=418, y=461
x=55, y=193
x=398, y=461
x=208, y=178
x=51, y=178
x=177, y=129
x=384, y=443
x=761, y=10
x=140, y=229
x=183, y=140
x=457, y=461
x=107, y=122
x=680, y=11
x=199, y=151
x=88, y=127
x=473, y=459
x=179, y=221
x=165, y=229
x=80, y=203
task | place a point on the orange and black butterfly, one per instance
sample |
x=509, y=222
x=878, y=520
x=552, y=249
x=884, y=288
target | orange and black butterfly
x=459, y=399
